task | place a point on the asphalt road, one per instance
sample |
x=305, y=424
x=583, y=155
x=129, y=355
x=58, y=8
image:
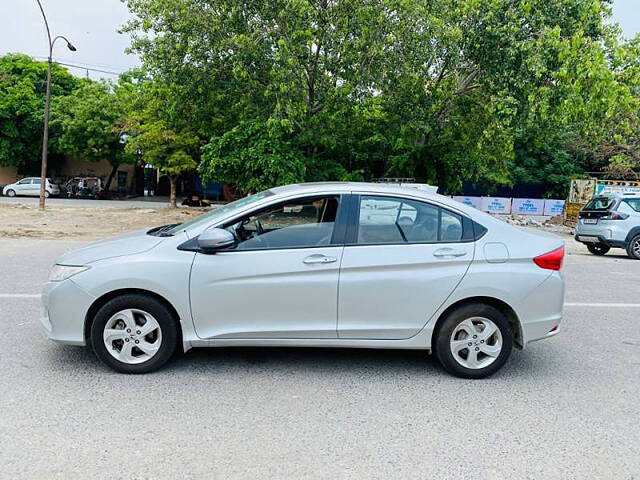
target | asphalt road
x=564, y=408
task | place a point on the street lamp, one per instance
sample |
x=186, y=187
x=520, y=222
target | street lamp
x=45, y=137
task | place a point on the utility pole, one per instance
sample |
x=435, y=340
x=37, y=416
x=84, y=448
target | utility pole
x=45, y=136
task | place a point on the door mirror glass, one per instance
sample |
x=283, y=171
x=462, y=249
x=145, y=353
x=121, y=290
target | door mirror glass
x=215, y=239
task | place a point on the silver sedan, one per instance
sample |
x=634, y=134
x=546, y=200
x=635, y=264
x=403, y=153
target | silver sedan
x=321, y=265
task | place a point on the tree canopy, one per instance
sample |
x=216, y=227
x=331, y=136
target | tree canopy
x=91, y=123
x=22, y=95
x=442, y=90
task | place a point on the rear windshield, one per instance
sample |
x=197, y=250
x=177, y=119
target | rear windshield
x=599, y=203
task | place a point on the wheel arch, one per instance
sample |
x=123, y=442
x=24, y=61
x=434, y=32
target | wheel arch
x=504, y=307
x=101, y=301
x=632, y=233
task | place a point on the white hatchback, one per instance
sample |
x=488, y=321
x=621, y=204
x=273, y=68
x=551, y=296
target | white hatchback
x=30, y=187
x=320, y=265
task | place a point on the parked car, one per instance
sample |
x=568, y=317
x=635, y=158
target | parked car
x=85, y=187
x=611, y=221
x=324, y=265
x=30, y=187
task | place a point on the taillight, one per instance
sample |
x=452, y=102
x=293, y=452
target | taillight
x=551, y=260
x=615, y=216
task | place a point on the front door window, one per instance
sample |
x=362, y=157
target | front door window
x=295, y=224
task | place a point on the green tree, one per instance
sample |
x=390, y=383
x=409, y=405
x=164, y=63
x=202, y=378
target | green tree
x=252, y=157
x=442, y=90
x=91, y=123
x=168, y=151
x=22, y=92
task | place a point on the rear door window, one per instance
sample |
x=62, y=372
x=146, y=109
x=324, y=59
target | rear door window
x=388, y=220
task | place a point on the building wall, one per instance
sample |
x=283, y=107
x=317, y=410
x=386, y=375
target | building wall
x=74, y=167
x=8, y=175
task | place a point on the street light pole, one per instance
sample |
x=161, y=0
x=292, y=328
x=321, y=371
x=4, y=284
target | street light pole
x=47, y=102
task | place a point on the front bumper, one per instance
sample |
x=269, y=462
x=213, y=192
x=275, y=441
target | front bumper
x=65, y=308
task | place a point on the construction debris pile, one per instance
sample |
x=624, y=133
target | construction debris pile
x=551, y=224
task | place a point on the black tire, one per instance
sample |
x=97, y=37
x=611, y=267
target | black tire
x=11, y=193
x=633, y=248
x=598, y=248
x=445, y=330
x=164, y=317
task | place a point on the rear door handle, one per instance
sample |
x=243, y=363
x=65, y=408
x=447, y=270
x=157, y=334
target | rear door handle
x=449, y=252
x=318, y=258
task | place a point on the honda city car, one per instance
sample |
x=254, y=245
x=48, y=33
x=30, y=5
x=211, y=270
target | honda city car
x=314, y=265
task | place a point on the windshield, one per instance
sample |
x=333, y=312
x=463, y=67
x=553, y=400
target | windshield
x=219, y=212
x=599, y=203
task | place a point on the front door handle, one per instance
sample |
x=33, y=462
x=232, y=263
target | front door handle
x=318, y=258
x=449, y=252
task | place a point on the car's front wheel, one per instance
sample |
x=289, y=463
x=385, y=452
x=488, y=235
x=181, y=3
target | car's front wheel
x=11, y=193
x=633, y=248
x=134, y=334
x=598, y=248
x=473, y=341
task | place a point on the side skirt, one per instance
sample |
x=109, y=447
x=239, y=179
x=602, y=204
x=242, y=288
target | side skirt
x=421, y=341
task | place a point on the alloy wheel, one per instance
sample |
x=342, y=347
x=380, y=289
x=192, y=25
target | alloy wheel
x=132, y=336
x=636, y=248
x=476, y=343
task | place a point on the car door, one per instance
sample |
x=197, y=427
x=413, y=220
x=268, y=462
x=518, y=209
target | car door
x=281, y=278
x=23, y=187
x=402, y=259
x=34, y=187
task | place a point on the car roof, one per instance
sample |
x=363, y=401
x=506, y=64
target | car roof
x=618, y=195
x=404, y=190
x=349, y=187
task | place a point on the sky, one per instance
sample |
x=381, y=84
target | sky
x=92, y=26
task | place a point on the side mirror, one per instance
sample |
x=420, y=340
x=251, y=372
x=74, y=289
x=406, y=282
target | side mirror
x=215, y=239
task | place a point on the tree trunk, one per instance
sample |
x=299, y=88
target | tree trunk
x=172, y=197
x=107, y=185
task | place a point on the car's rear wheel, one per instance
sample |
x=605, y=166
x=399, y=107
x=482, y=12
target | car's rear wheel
x=473, y=341
x=598, y=248
x=134, y=334
x=633, y=247
x=11, y=193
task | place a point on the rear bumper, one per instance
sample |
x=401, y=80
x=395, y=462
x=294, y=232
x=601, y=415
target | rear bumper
x=542, y=311
x=590, y=239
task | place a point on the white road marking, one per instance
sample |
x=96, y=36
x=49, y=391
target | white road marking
x=602, y=305
x=20, y=295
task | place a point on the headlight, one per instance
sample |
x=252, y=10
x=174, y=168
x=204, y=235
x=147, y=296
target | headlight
x=62, y=272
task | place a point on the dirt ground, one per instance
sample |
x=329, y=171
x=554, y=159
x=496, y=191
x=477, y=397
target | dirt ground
x=90, y=223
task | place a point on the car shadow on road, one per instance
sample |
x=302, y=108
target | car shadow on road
x=333, y=361
x=303, y=360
